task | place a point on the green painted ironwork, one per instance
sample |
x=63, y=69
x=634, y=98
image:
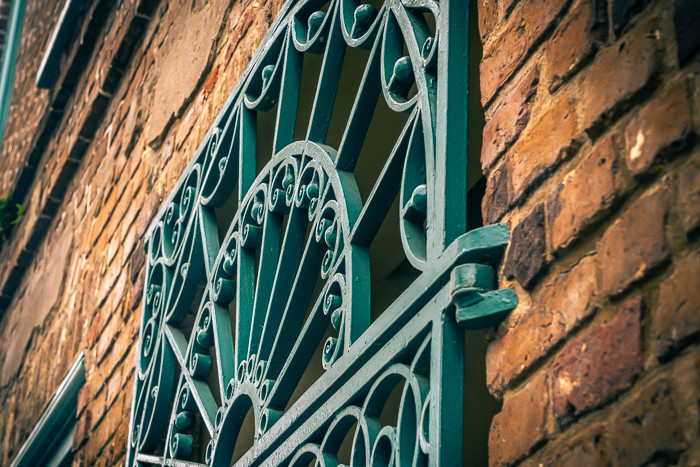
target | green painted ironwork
x=229, y=325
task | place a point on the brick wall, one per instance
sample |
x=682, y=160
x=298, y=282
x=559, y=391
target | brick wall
x=590, y=152
x=148, y=93
x=28, y=104
x=590, y=155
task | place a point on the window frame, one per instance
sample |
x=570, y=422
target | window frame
x=50, y=442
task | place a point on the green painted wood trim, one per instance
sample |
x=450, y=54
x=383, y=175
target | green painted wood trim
x=57, y=43
x=48, y=436
x=9, y=61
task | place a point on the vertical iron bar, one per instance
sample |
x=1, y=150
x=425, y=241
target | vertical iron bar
x=447, y=387
x=449, y=202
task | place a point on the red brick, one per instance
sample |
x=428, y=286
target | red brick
x=509, y=119
x=677, y=314
x=636, y=243
x=114, y=386
x=121, y=436
x=138, y=260
x=168, y=149
x=561, y=307
x=146, y=215
x=598, y=363
x=188, y=122
x=526, y=258
x=685, y=381
x=542, y=147
x=587, y=447
x=575, y=41
x=137, y=291
x=647, y=427
x=521, y=424
x=115, y=416
x=83, y=395
x=81, y=430
x=488, y=17
x=688, y=204
x=97, y=409
x=620, y=73
x=107, y=338
x=659, y=130
x=211, y=81
x=507, y=6
x=520, y=34
x=583, y=194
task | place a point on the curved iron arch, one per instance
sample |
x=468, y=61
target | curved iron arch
x=301, y=222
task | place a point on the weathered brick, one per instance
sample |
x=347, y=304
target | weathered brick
x=677, y=314
x=189, y=121
x=495, y=201
x=120, y=436
x=588, y=447
x=647, y=427
x=107, y=338
x=137, y=291
x=660, y=129
x=83, y=396
x=116, y=415
x=584, y=193
x=603, y=360
x=509, y=119
x=521, y=33
x=488, y=17
x=636, y=243
x=114, y=386
x=526, y=258
x=543, y=145
x=685, y=381
x=211, y=81
x=80, y=434
x=688, y=204
x=521, y=424
x=620, y=73
x=686, y=17
x=507, y=6
x=97, y=409
x=146, y=215
x=562, y=306
x=575, y=40
x=138, y=260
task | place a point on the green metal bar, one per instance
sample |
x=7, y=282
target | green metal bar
x=447, y=388
x=450, y=197
x=9, y=61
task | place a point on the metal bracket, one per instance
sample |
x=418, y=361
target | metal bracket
x=477, y=304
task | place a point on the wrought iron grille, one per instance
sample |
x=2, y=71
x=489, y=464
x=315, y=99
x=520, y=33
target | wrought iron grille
x=230, y=322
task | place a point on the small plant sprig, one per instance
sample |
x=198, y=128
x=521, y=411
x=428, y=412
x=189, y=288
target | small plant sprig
x=10, y=215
